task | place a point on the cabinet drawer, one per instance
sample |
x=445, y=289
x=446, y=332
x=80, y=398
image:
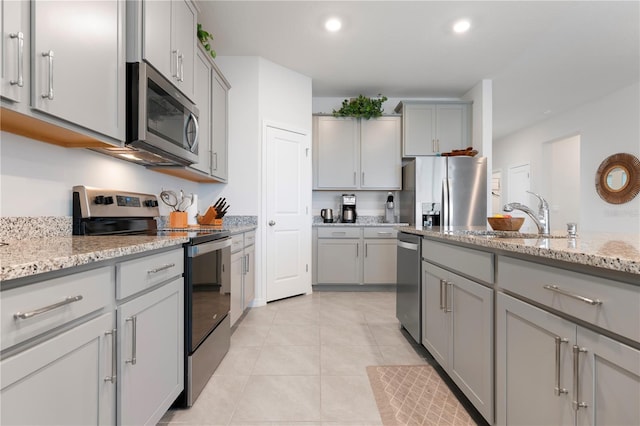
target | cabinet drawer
x=237, y=242
x=249, y=238
x=619, y=311
x=95, y=288
x=136, y=275
x=339, y=232
x=377, y=232
x=474, y=263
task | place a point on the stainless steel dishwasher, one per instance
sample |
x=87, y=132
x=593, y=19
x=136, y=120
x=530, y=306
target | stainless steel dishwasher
x=408, y=291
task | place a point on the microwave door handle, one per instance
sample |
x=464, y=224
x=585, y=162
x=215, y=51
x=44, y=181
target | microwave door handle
x=193, y=145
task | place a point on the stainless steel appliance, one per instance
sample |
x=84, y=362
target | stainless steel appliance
x=408, y=285
x=444, y=191
x=389, y=209
x=162, y=124
x=207, y=276
x=349, y=208
x=327, y=215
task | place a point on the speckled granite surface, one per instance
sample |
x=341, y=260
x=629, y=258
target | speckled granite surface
x=19, y=228
x=22, y=258
x=618, y=252
x=360, y=221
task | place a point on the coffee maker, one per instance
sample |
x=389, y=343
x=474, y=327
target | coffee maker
x=348, y=208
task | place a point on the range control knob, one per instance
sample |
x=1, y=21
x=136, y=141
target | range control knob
x=108, y=200
x=150, y=203
x=99, y=199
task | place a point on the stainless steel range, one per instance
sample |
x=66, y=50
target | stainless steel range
x=207, y=273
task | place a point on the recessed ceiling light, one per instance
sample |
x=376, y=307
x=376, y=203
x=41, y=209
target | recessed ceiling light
x=333, y=25
x=462, y=26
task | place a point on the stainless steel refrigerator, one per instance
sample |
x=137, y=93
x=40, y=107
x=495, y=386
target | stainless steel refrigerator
x=444, y=191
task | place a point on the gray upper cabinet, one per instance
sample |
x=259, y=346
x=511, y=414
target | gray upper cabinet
x=351, y=153
x=169, y=41
x=211, y=99
x=78, y=63
x=429, y=128
x=14, y=78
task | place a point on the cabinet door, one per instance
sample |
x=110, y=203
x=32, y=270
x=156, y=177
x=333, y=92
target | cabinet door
x=339, y=261
x=435, y=318
x=151, y=354
x=157, y=37
x=15, y=51
x=471, y=350
x=452, y=127
x=419, y=129
x=336, y=153
x=203, y=102
x=183, y=30
x=249, y=285
x=527, y=373
x=78, y=61
x=237, y=275
x=380, y=261
x=609, y=381
x=62, y=380
x=380, y=160
x=219, y=143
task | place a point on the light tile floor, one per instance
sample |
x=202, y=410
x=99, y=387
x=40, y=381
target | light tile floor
x=302, y=361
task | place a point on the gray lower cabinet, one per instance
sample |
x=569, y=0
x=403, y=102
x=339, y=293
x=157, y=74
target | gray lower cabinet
x=242, y=273
x=104, y=346
x=356, y=255
x=457, y=330
x=579, y=376
x=61, y=381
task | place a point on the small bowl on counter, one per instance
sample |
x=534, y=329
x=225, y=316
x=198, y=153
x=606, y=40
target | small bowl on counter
x=505, y=223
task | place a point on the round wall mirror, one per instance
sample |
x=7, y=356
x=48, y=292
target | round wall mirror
x=618, y=178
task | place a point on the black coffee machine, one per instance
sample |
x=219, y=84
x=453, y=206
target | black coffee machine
x=348, y=208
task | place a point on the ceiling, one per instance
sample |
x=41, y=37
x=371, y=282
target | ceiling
x=543, y=57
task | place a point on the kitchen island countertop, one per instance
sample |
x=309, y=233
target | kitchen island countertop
x=615, y=252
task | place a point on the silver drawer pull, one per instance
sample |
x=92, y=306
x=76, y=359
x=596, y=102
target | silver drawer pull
x=161, y=268
x=25, y=315
x=19, y=36
x=134, y=338
x=556, y=289
x=49, y=94
x=559, y=390
x=338, y=233
x=384, y=233
x=577, y=404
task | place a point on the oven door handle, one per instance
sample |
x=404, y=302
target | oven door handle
x=200, y=249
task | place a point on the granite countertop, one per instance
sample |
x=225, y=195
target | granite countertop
x=31, y=256
x=362, y=221
x=617, y=252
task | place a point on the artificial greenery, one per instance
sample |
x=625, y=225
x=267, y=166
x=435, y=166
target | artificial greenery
x=361, y=107
x=204, y=38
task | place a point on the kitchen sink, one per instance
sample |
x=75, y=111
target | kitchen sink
x=504, y=234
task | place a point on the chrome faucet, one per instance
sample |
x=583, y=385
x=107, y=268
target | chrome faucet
x=541, y=219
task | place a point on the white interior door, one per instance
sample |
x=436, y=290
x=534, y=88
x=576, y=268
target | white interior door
x=518, y=184
x=288, y=205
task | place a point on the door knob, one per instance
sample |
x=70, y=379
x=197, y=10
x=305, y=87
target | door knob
x=272, y=222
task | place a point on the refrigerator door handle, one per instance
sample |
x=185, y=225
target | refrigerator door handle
x=446, y=203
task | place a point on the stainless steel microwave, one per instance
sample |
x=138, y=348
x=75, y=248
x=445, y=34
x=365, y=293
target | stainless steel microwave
x=161, y=121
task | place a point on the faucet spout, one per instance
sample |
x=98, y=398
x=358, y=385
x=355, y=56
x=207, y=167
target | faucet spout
x=541, y=218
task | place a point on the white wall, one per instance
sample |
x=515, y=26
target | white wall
x=606, y=126
x=36, y=178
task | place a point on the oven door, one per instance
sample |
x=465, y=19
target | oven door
x=208, y=288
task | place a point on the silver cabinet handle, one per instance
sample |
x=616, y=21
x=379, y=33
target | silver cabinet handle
x=354, y=178
x=246, y=256
x=441, y=293
x=114, y=355
x=20, y=39
x=362, y=183
x=272, y=223
x=134, y=329
x=181, y=70
x=558, y=390
x=357, y=250
x=338, y=233
x=433, y=145
x=437, y=145
x=385, y=233
x=177, y=63
x=577, y=404
x=556, y=289
x=215, y=155
x=66, y=301
x=161, y=268
x=366, y=249
x=447, y=297
x=49, y=94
